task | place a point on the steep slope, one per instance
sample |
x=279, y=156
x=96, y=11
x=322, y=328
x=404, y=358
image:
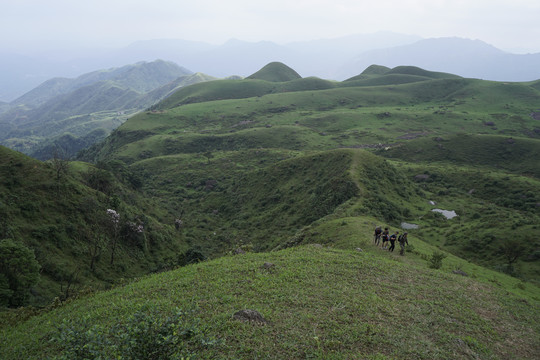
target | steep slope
x=233, y=199
x=59, y=211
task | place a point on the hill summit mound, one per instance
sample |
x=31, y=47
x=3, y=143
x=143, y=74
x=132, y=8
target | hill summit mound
x=376, y=70
x=275, y=72
x=379, y=71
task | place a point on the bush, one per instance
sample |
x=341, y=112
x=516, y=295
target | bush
x=147, y=334
x=409, y=248
x=435, y=262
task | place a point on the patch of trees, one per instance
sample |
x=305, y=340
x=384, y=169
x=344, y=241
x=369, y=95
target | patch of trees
x=19, y=271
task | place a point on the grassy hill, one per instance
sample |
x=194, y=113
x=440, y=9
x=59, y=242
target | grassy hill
x=331, y=302
x=211, y=132
x=275, y=72
x=265, y=170
x=141, y=77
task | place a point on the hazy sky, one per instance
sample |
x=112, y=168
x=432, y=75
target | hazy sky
x=512, y=25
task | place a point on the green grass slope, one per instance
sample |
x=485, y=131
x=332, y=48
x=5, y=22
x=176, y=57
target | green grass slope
x=515, y=155
x=413, y=70
x=376, y=71
x=319, y=302
x=231, y=199
x=356, y=116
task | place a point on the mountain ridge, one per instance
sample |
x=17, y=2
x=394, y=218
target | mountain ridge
x=325, y=58
x=100, y=99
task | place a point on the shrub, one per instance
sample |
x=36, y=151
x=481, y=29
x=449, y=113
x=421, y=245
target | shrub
x=435, y=262
x=147, y=334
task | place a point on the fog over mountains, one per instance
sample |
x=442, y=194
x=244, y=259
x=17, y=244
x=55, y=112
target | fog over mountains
x=337, y=59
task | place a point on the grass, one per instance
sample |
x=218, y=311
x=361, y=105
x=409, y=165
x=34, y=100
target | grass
x=321, y=302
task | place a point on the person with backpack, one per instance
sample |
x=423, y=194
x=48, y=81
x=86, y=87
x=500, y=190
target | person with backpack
x=385, y=237
x=393, y=239
x=402, y=241
x=377, y=235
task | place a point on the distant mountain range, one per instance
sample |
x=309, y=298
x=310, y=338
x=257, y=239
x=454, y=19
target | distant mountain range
x=71, y=114
x=467, y=58
x=337, y=58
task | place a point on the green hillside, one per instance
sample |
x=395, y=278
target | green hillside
x=141, y=77
x=516, y=155
x=59, y=211
x=331, y=302
x=279, y=185
x=414, y=122
x=405, y=73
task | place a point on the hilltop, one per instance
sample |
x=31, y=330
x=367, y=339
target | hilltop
x=275, y=72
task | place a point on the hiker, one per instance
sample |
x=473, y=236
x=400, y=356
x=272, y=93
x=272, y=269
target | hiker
x=402, y=241
x=377, y=235
x=393, y=239
x=385, y=237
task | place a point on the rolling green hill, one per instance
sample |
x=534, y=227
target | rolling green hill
x=329, y=302
x=466, y=124
x=280, y=184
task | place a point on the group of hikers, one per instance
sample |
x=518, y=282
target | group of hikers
x=382, y=237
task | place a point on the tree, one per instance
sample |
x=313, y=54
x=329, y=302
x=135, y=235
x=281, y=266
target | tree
x=19, y=271
x=60, y=164
x=114, y=220
x=96, y=243
x=208, y=155
x=512, y=250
